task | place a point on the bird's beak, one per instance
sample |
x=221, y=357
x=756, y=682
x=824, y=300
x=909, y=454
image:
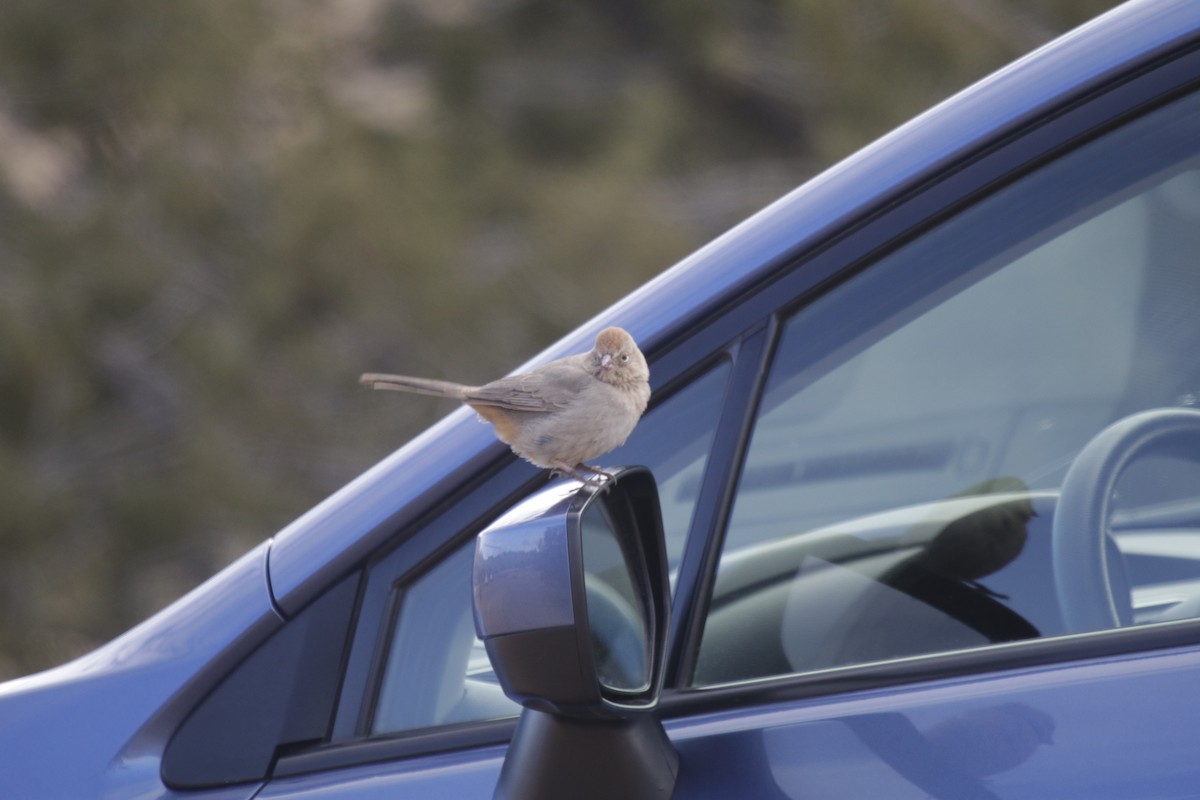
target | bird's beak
x=606, y=361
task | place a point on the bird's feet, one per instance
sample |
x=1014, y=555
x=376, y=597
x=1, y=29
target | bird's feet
x=597, y=478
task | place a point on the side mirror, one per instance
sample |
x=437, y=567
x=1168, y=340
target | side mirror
x=572, y=602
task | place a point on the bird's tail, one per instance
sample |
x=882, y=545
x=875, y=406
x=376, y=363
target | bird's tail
x=407, y=383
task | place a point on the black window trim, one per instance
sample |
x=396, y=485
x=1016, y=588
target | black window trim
x=988, y=659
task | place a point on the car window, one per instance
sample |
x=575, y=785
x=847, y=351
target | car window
x=899, y=492
x=436, y=671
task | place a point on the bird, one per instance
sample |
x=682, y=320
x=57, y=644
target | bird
x=561, y=415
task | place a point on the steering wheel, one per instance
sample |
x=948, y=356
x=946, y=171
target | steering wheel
x=1089, y=575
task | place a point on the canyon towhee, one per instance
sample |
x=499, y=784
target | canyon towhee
x=561, y=415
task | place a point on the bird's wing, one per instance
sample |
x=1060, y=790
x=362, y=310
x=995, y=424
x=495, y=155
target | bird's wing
x=550, y=388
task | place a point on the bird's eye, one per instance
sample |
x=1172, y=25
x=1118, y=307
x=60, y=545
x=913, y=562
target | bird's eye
x=624, y=356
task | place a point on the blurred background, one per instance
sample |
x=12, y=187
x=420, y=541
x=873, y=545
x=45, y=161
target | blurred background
x=214, y=214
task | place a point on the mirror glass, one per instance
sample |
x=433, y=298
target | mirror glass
x=617, y=607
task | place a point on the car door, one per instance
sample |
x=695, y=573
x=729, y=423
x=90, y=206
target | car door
x=861, y=464
x=962, y=554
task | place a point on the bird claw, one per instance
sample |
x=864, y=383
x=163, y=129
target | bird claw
x=598, y=479
x=601, y=484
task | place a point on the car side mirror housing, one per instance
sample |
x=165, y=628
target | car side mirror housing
x=572, y=602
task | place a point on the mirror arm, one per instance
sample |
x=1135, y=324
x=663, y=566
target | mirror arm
x=639, y=762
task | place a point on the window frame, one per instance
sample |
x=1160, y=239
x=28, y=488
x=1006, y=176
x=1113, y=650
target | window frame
x=1013, y=154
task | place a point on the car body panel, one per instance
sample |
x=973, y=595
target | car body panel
x=101, y=720
x=1064, y=731
x=470, y=773
x=1055, y=731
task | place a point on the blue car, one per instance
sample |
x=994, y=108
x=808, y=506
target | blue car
x=914, y=512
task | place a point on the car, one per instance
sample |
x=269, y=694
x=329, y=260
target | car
x=913, y=513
